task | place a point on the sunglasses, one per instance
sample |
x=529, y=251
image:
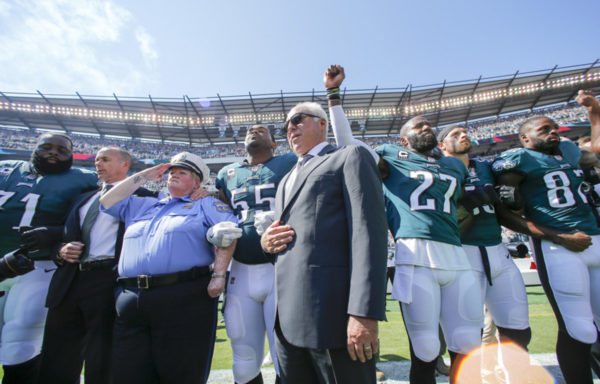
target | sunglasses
x=297, y=119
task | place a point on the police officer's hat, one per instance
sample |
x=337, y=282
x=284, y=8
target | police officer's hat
x=192, y=162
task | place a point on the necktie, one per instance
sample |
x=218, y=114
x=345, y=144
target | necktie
x=89, y=221
x=304, y=160
x=292, y=179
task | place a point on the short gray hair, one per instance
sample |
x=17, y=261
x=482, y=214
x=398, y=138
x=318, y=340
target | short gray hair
x=123, y=154
x=310, y=107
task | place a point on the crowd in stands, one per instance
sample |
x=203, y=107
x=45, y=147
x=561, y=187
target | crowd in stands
x=483, y=129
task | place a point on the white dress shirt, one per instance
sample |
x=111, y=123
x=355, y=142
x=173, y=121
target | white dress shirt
x=103, y=235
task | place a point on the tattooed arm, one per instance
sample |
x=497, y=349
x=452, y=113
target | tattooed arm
x=131, y=184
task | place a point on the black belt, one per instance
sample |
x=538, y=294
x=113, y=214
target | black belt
x=150, y=281
x=98, y=264
x=486, y=264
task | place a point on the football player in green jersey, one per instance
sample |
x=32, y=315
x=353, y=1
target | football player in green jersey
x=502, y=284
x=545, y=180
x=34, y=194
x=433, y=277
x=250, y=187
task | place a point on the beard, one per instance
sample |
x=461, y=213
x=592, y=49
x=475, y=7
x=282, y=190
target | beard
x=461, y=149
x=43, y=167
x=422, y=143
x=545, y=146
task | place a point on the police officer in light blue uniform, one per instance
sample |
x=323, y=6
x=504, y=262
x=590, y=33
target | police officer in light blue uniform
x=167, y=296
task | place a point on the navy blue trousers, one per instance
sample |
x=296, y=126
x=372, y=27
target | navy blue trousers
x=164, y=334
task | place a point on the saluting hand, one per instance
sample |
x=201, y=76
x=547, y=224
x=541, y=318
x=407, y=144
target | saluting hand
x=154, y=173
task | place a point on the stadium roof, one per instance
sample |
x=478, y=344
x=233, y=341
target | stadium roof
x=220, y=119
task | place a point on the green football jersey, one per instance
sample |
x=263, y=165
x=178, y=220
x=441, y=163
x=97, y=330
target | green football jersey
x=28, y=199
x=252, y=188
x=421, y=194
x=551, y=188
x=484, y=230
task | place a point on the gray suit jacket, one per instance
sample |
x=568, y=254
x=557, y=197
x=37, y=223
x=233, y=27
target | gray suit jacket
x=336, y=264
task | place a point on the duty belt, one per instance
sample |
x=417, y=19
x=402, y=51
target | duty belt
x=151, y=281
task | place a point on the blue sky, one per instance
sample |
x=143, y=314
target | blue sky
x=201, y=48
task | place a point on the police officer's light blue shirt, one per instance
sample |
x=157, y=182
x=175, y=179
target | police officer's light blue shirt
x=167, y=235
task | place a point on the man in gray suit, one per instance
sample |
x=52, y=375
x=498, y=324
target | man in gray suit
x=329, y=243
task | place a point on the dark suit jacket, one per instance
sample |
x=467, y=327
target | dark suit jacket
x=65, y=274
x=336, y=264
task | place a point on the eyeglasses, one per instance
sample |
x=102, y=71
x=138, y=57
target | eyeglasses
x=297, y=119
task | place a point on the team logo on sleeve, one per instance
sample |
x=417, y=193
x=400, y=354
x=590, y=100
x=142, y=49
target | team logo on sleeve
x=222, y=207
x=502, y=164
x=5, y=171
x=403, y=155
x=230, y=173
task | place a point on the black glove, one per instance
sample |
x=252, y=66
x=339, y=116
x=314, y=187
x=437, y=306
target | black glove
x=522, y=250
x=15, y=263
x=508, y=196
x=591, y=175
x=36, y=238
x=478, y=195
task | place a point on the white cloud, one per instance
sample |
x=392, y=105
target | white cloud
x=146, y=45
x=63, y=46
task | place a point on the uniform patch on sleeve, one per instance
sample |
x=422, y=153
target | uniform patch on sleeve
x=403, y=155
x=230, y=173
x=502, y=164
x=222, y=207
x=5, y=171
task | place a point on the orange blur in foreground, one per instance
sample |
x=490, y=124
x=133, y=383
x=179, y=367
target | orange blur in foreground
x=483, y=363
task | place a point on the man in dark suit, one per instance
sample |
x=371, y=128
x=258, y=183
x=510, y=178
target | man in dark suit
x=330, y=246
x=81, y=296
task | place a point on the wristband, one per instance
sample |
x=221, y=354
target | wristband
x=218, y=275
x=333, y=93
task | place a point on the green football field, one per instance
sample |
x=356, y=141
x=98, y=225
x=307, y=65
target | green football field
x=394, y=341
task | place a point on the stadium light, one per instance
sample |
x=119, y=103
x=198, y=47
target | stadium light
x=381, y=113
